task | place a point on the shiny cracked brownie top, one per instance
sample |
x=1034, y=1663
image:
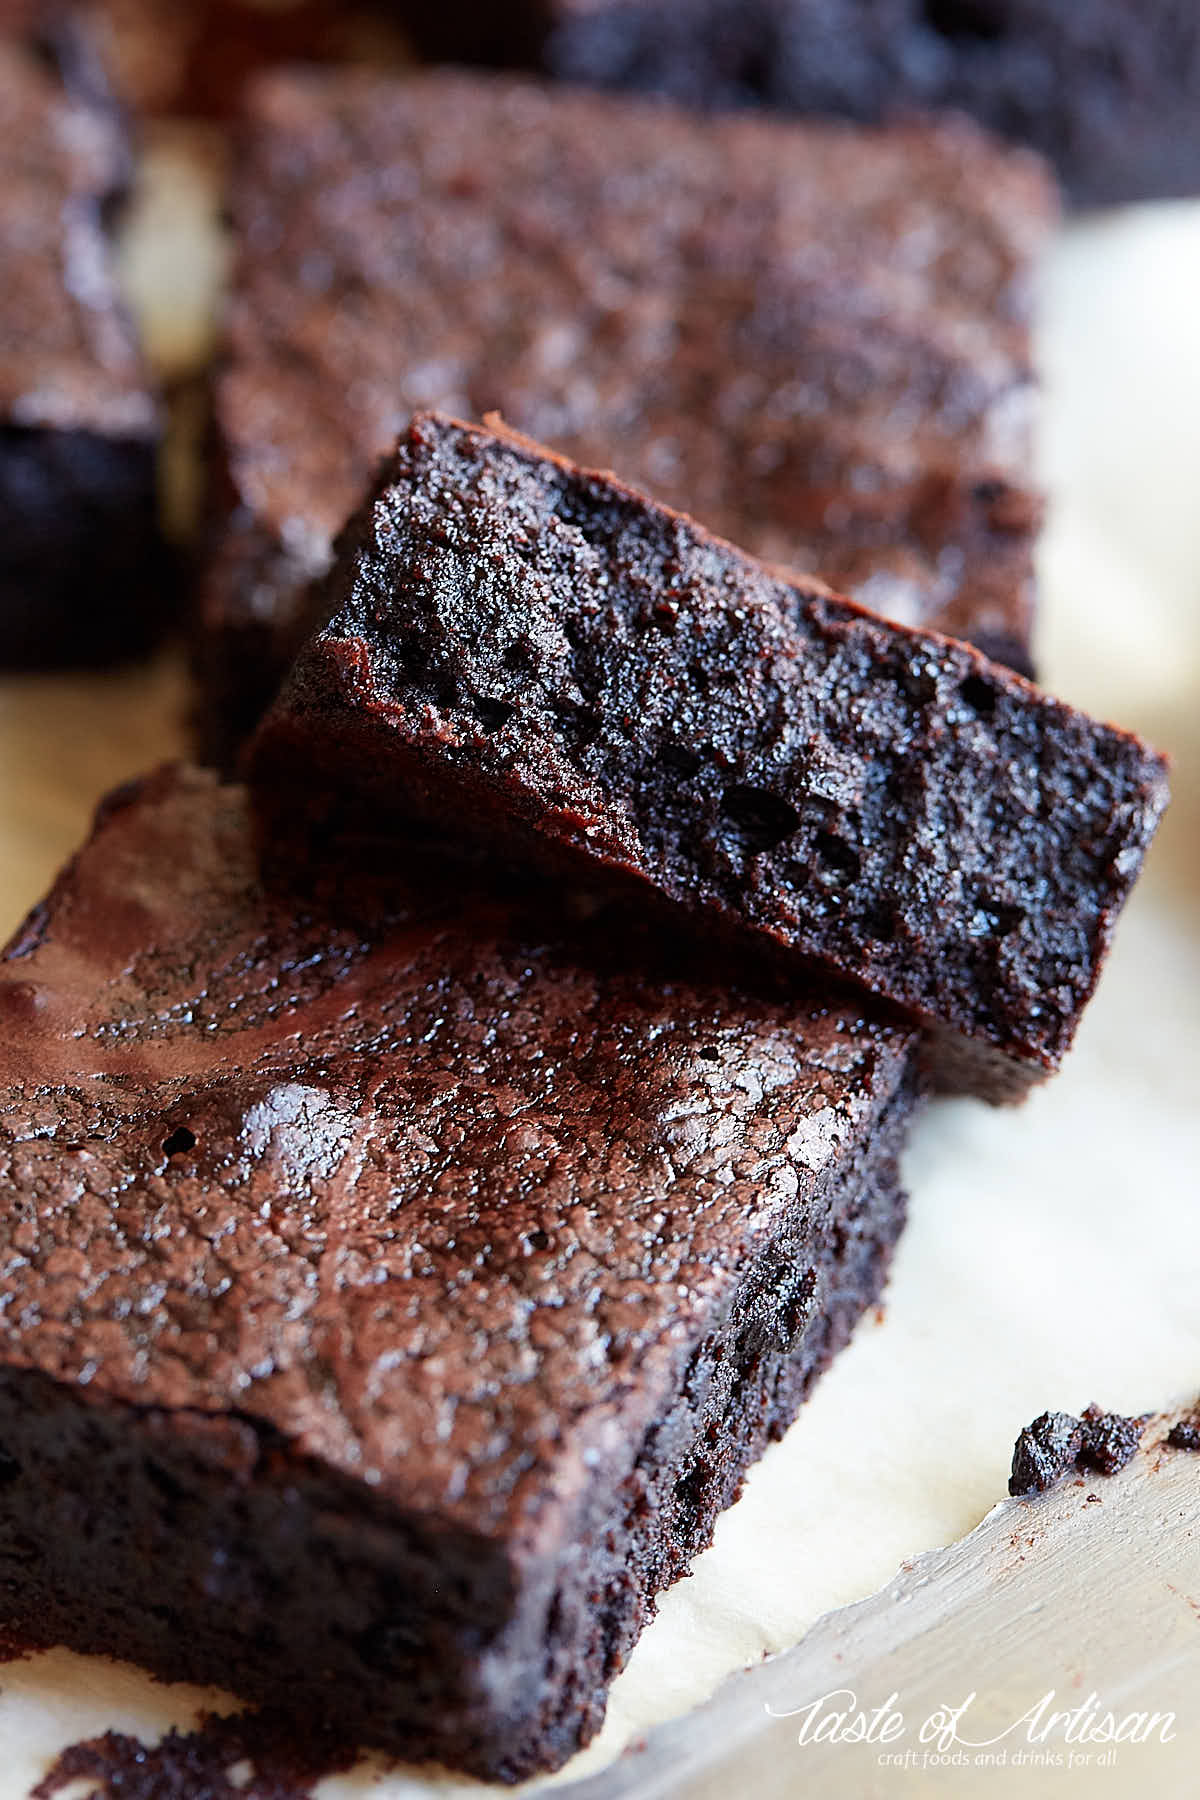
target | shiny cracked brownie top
x=440, y=1198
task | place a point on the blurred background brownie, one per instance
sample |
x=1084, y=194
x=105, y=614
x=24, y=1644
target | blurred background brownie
x=521, y=651
x=1106, y=88
x=812, y=337
x=81, y=575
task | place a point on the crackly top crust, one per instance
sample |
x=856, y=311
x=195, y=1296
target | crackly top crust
x=68, y=356
x=810, y=336
x=437, y=1198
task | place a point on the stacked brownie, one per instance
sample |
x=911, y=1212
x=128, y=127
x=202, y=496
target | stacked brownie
x=434, y=1171
x=80, y=575
x=1105, y=88
x=813, y=339
x=537, y=657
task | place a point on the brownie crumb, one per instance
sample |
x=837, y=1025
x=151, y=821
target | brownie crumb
x=1057, y=1442
x=1044, y=1452
x=1185, y=1435
x=245, y=1756
x=1109, y=1440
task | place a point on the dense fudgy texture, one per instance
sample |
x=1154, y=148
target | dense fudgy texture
x=81, y=575
x=532, y=654
x=1105, y=88
x=390, y=1300
x=813, y=338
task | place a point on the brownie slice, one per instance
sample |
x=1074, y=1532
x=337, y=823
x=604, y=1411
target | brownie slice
x=813, y=338
x=81, y=576
x=536, y=655
x=393, y=1296
x=1106, y=89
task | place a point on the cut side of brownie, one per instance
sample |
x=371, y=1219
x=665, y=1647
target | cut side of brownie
x=1106, y=89
x=81, y=570
x=812, y=337
x=535, y=655
x=391, y=1297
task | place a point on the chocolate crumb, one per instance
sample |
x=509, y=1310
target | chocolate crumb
x=285, y=1757
x=1044, y=1452
x=1185, y=1435
x=1109, y=1440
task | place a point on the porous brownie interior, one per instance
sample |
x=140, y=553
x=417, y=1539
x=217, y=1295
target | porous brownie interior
x=518, y=647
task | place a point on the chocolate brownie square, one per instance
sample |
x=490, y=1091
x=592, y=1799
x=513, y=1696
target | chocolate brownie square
x=1104, y=88
x=396, y=1284
x=534, y=654
x=81, y=575
x=812, y=338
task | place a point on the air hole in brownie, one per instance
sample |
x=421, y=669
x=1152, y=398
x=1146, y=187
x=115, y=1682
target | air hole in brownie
x=537, y=1240
x=679, y=759
x=841, y=860
x=166, y=1483
x=919, y=681
x=956, y=19
x=492, y=714
x=10, y=1468
x=880, y=925
x=993, y=918
x=979, y=695
x=389, y=1643
x=760, y=818
x=180, y=1140
x=986, y=493
x=709, y=1052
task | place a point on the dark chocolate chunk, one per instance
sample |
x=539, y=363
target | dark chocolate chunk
x=393, y=1291
x=1185, y=1435
x=523, y=651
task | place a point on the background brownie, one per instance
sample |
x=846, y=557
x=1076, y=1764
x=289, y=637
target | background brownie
x=391, y=1299
x=1104, y=87
x=524, y=651
x=813, y=338
x=80, y=571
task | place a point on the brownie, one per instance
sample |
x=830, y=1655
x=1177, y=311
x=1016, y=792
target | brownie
x=531, y=654
x=1106, y=89
x=813, y=338
x=81, y=575
x=396, y=1284
x=1044, y=1452
x=1056, y=1443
